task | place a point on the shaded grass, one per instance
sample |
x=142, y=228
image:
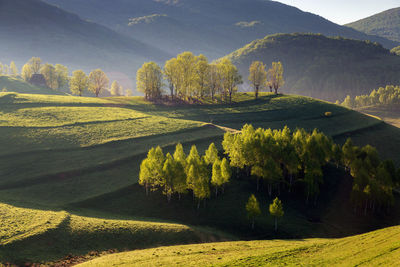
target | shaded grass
x=20, y=86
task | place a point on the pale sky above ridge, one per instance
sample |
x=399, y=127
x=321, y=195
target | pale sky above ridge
x=343, y=11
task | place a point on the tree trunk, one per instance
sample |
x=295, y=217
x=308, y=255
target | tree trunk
x=276, y=90
x=256, y=92
x=252, y=224
x=216, y=191
x=198, y=204
x=276, y=224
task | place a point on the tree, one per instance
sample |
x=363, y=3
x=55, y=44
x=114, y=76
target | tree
x=151, y=169
x=348, y=102
x=253, y=209
x=26, y=72
x=230, y=77
x=62, y=75
x=226, y=172
x=276, y=80
x=79, y=82
x=115, y=89
x=168, y=176
x=171, y=73
x=258, y=76
x=214, y=79
x=199, y=177
x=149, y=80
x=128, y=92
x=276, y=210
x=202, y=73
x=13, y=69
x=98, y=81
x=50, y=75
x=186, y=65
x=36, y=64
x=211, y=154
x=216, y=177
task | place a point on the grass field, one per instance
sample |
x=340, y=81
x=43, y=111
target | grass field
x=72, y=164
x=377, y=248
x=390, y=115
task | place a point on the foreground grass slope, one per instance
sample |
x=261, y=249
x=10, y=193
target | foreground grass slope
x=40, y=236
x=371, y=249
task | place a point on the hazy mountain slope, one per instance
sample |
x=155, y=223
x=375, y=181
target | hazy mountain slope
x=213, y=27
x=34, y=28
x=385, y=24
x=327, y=68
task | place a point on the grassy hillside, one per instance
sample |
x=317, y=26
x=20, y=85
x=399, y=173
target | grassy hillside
x=72, y=163
x=385, y=24
x=40, y=236
x=381, y=247
x=390, y=115
x=19, y=86
x=322, y=67
x=212, y=27
x=35, y=28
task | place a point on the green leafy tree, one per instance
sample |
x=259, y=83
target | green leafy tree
x=216, y=177
x=275, y=75
x=115, y=89
x=202, y=73
x=151, y=173
x=26, y=72
x=98, y=81
x=149, y=80
x=13, y=69
x=79, y=82
x=253, y=209
x=171, y=74
x=230, y=78
x=49, y=73
x=168, y=176
x=214, y=80
x=62, y=75
x=258, y=76
x=226, y=172
x=276, y=210
x=36, y=64
x=211, y=154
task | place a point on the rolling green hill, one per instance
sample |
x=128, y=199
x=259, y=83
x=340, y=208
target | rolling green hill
x=211, y=27
x=322, y=67
x=377, y=248
x=16, y=85
x=71, y=164
x=385, y=24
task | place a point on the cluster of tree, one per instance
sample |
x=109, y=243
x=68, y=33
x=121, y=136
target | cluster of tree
x=9, y=70
x=178, y=173
x=389, y=95
x=253, y=210
x=373, y=179
x=280, y=158
x=189, y=77
x=56, y=76
x=260, y=78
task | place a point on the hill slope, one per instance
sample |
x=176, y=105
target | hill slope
x=322, y=67
x=34, y=28
x=19, y=86
x=83, y=155
x=381, y=247
x=385, y=24
x=212, y=27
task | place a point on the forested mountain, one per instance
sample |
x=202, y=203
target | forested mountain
x=385, y=24
x=323, y=67
x=34, y=28
x=212, y=27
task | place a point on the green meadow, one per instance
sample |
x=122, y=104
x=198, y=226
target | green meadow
x=69, y=169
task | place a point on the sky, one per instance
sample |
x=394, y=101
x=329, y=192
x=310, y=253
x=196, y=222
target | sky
x=343, y=11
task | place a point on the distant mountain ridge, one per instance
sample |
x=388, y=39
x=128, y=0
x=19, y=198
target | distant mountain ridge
x=34, y=28
x=385, y=24
x=322, y=67
x=212, y=27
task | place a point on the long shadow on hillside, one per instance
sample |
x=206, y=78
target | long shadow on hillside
x=227, y=212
